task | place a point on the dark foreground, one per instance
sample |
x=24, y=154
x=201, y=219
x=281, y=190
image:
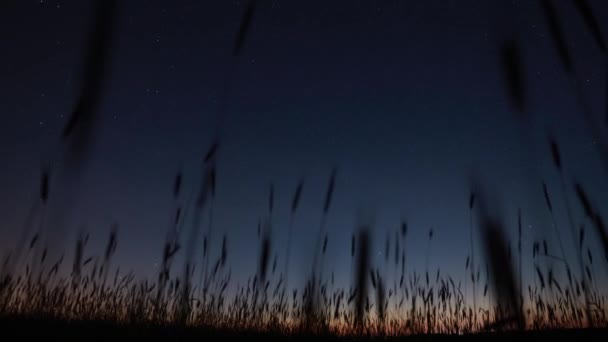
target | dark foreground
x=97, y=330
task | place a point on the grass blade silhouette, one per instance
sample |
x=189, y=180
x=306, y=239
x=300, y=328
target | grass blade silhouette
x=80, y=125
x=244, y=28
x=585, y=10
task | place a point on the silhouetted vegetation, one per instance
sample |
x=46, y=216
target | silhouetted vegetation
x=400, y=301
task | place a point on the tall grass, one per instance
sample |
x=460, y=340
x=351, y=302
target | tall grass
x=430, y=302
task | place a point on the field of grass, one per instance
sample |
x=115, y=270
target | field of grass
x=410, y=303
x=88, y=295
x=98, y=330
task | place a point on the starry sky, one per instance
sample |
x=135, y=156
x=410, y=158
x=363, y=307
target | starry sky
x=406, y=99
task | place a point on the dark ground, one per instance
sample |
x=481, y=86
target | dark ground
x=23, y=327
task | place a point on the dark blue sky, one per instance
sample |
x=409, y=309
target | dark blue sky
x=405, y=98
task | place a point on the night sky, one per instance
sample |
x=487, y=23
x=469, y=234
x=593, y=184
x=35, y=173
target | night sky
x=406, y=99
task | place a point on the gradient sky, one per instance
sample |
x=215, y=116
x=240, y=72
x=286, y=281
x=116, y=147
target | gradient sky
x=405, y=98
